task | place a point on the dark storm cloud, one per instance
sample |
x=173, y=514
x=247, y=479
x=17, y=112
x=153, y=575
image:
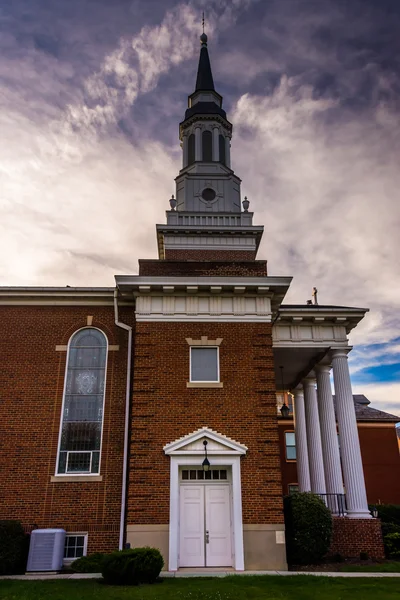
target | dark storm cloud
x=92, y=92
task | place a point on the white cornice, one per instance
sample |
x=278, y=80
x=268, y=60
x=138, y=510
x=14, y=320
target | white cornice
x=132, y=282
x=57, y=296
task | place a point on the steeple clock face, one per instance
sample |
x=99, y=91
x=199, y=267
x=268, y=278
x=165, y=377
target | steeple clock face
x=208, y=195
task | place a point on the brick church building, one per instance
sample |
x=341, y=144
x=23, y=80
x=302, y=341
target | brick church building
x=147, y=413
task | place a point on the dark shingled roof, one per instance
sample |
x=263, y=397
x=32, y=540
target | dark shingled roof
x=204, y=79
x=366, y=413
x=205, y=108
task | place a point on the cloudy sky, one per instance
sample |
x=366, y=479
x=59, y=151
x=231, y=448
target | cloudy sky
x=91, y=94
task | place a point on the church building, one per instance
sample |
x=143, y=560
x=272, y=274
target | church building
x=146, y=414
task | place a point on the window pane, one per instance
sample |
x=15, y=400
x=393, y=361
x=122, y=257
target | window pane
x=200, y=474
x=215, y=474
x=204, y=364
x=291, y=452
x=290, y=439
x=185, y=474
x=222, y=474
x=83, y=402
x=192, y=474
x=78, y=462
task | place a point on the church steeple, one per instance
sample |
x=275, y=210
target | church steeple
x=206, y=215
x=204, y=80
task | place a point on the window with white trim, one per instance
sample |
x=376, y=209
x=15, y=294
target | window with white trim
x=290, y=443
x=75, y=546
x=83, y=404
x=204, y=364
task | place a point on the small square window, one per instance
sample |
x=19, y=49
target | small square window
x=204, y=364
x=293, y=488
x=75, y=546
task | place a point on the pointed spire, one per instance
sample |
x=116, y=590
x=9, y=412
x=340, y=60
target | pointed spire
x=204, y=79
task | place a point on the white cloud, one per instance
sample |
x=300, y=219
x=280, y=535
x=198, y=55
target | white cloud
x=384, y=396
x=327, y=196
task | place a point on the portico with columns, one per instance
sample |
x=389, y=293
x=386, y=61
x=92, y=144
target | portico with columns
x=310, y=342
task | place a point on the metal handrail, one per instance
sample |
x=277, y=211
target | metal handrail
x=336, y=503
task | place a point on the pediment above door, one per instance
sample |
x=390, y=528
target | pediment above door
x=192, y=444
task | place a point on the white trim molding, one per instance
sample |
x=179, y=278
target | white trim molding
x=204, y=341
x=224, y=452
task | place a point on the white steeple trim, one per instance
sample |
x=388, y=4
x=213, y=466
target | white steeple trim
x=187, y=444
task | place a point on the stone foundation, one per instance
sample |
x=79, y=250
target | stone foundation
x=352, y=536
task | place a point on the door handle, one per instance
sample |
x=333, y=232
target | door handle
x=207, y=537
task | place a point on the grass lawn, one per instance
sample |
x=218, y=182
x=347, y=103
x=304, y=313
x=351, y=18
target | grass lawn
x=386, y=567
x=297, y=587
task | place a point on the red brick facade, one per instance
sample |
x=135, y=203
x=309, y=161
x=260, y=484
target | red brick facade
x=192, y=268
x=380, y=457
x=353, y=536
x=164, y=409
x=31, y=394
x=381, y=462
x=206, y=255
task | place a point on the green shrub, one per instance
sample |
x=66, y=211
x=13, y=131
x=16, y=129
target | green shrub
x=89, y=564
x=308, y=524
x=392, y=544
x=14, y=548
x=131, y=567
x=389, y=528
x=388, y=513
x=364, y=556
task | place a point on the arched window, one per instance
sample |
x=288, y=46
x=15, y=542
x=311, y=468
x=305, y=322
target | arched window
x=82, y=411
x=222, y=149
x=207, y=146
x=191, y=145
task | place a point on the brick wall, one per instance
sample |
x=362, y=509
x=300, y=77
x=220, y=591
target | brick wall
x=381, y=459
x=206, y=255
x=164, y=409
x=352, y=536
x=176, y=268
x=31, y=392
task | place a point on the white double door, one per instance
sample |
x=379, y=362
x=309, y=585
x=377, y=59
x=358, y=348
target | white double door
x=205, y=526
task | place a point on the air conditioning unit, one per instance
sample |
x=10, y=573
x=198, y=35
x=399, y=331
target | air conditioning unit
x=46, y=550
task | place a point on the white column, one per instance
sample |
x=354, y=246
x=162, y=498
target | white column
x=197, y=145
x=185, y=158
x=356, y=496
x=228, y=151
x=330, y=446
x=303, y=469
x=215, y=147
x=314, y=445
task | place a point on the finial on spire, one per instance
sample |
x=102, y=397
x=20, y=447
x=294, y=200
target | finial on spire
x=203, y=37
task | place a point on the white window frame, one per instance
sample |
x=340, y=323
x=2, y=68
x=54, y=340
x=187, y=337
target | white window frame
x=84, y=534
x=190, y=365
x=83, y=473
x=290, y=446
